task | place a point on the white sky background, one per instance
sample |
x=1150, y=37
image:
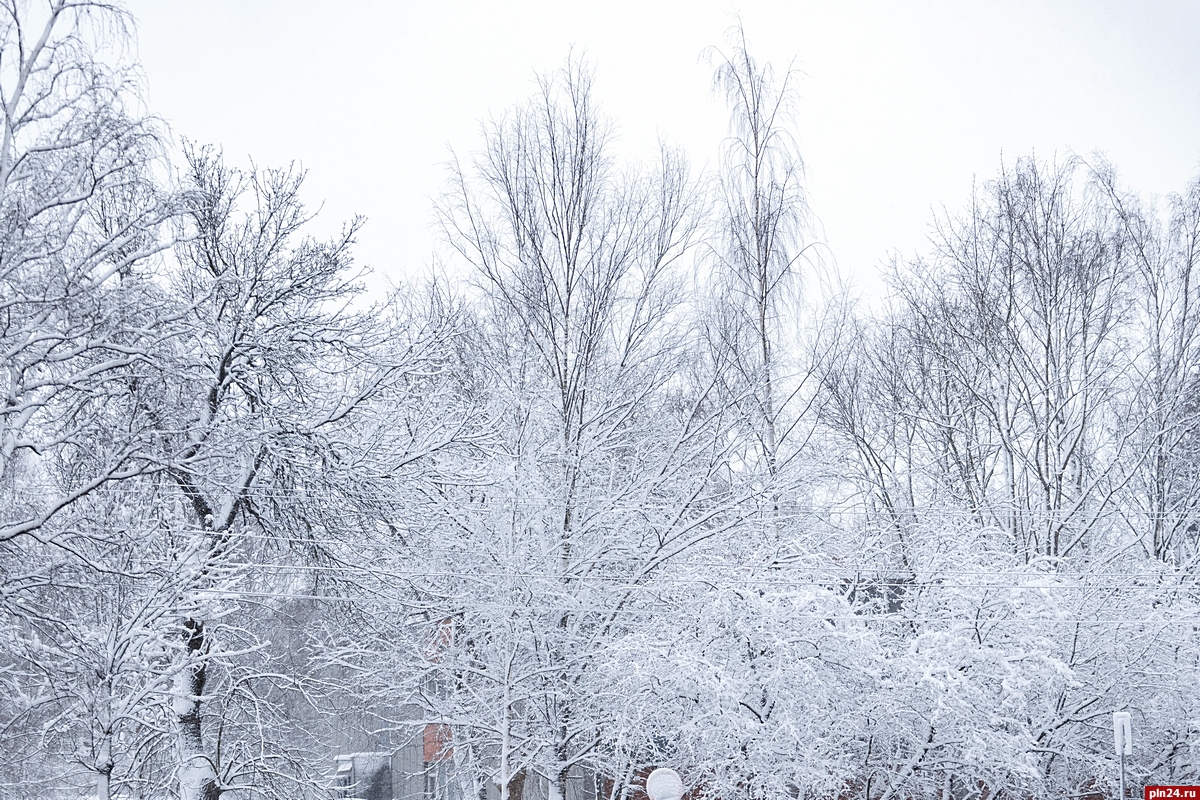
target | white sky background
x=902, y=104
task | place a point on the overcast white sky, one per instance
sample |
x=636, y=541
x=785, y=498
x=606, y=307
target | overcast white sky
x=902, y=104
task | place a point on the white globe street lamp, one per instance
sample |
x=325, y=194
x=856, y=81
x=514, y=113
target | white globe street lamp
x=664, y=784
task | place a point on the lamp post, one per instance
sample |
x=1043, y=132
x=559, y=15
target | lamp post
x=1123, y=740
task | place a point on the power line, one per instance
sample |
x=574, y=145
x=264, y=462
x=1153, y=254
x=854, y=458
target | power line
x=669, y=570
x=585, y=502
x=658, y=579
x=813, y=616
x=765, y=573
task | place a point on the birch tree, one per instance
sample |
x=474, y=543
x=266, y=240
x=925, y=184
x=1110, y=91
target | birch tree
x=1024, y=306
x=81, y=214
x=82, y=218
x=1164, y=248
x=609, y=464
x=762, y=256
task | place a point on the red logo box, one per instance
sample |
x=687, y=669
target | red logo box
x=1171, y=793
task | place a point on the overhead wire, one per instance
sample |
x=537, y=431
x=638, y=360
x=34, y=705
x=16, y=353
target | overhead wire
x=812, y=616
x=715, y=578
x=528, y=498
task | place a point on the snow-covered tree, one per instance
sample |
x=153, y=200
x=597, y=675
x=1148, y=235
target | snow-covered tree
x=82, y=217
x=265, y=410
x=610, y=456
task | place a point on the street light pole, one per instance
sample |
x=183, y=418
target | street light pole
x=1123, y=740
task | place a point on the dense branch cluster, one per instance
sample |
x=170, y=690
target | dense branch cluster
x=643, y=491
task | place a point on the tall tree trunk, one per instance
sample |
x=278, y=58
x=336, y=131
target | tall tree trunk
x=197, y=778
